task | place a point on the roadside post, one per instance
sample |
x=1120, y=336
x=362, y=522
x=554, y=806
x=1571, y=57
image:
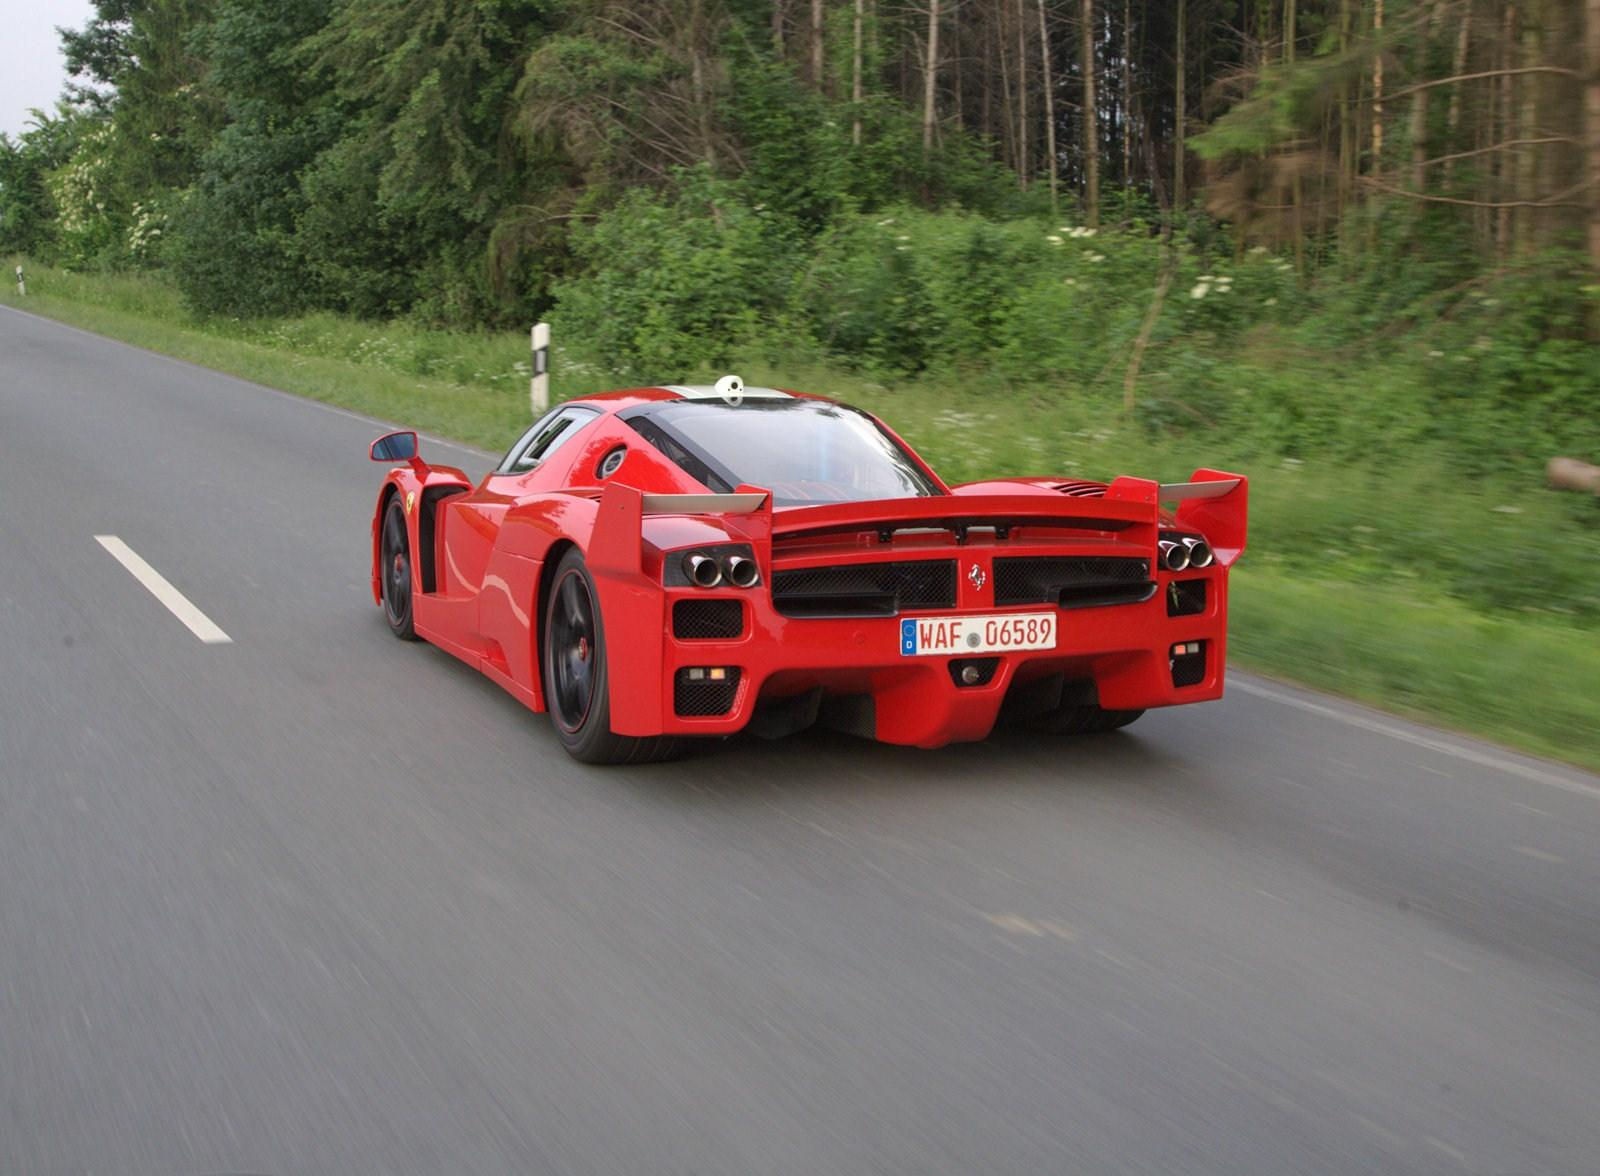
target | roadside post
x=22, y=287
x=539, y=385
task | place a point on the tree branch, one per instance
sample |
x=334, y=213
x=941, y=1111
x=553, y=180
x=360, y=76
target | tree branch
x=1499, y=147
x=1557, y=201
x=1472, y=77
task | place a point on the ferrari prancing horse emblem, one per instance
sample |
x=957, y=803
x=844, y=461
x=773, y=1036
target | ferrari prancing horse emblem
x=411, y=500
x=975, y=574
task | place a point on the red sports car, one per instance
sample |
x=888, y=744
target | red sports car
x=672, y=562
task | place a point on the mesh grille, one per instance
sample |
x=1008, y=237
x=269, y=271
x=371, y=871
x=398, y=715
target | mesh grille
x=702, y=698
x=865, y=590
x=1189, y=669
x=707, y=620
x=1072, y=581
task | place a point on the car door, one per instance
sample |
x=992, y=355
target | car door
x=473, y=520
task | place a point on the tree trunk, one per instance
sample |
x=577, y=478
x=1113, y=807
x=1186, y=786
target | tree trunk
x=930, y=77
x=1179, y=196
x=1296, y=192
x=1127, y=101
x=1508, y=125
x=817, y=66
x=1022, y=95
x=1591, y=39
x=1458, y=66
x=779, y=11
x=1049, y=111
x=1091, y=135
x=1377, y=88
x=855, y=75
x=1528, y=157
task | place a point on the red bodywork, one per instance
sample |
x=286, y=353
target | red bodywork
x=485, y=554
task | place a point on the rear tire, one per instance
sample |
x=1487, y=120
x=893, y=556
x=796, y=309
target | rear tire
x=577, y=687
x=394, y=571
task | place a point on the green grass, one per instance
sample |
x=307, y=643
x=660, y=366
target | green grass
x=1474, y=605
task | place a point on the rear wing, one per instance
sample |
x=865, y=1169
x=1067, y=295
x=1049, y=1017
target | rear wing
x=1216, y=504
x=741, y=503
x=1211, y=502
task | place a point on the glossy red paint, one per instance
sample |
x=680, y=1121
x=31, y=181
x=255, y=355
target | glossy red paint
x=484, y=554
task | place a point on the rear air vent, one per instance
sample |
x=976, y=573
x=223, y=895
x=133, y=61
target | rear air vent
x=1071, y=581
x=696, y=694
x=1189, y=669
x=1186, y=598
x=865, y=589
x=1080, y=489
x=707, y=620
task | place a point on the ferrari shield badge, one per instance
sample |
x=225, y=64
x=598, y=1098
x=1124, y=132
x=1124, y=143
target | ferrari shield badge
x=411, y=500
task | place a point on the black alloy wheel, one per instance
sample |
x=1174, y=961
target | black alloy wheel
x=394, y=571
x=576, y=678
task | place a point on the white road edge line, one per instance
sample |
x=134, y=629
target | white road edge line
x=158, y=586
x=1443, y=747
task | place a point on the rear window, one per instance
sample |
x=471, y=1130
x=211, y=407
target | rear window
x=807, y=452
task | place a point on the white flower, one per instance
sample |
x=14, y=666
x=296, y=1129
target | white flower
x=902, y=248
x=1201, y=289
x=1435, y=355
x=1053, y=239
x=1270, y=302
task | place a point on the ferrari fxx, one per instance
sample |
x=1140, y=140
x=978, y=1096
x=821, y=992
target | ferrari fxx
x=663, y=564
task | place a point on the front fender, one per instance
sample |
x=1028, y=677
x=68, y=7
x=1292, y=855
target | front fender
x=406, y=482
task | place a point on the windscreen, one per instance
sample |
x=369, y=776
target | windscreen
x=807, y=452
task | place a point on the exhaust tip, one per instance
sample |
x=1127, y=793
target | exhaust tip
x=702, y=571
x=1174, y=556
x=1200, y=555
x=742, y=572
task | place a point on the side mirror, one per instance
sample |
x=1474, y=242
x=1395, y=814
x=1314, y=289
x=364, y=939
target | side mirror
x=395, y=447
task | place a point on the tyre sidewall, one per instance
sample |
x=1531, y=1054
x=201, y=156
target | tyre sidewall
x=403, y=627
x=587, y=740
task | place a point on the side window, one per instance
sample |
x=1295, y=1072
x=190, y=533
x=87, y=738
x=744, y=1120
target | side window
x=545, y=437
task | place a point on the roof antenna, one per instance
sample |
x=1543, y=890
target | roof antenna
x=730, y=388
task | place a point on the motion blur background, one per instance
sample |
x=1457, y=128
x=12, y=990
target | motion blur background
x=1350, y=247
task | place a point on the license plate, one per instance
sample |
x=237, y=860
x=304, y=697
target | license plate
x=993, y=633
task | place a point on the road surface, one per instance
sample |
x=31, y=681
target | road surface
x=306, y=899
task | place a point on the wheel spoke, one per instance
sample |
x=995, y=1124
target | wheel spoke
x=571, y=644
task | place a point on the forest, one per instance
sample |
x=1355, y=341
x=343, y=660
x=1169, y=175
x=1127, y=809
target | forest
x=1351, y=247
x=1200, y=214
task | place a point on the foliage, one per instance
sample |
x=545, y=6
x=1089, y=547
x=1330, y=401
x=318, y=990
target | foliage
x=675, y=281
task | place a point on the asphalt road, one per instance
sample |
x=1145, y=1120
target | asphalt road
x=317, y=901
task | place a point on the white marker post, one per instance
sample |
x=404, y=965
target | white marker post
x=22, y=287
x=539, y=386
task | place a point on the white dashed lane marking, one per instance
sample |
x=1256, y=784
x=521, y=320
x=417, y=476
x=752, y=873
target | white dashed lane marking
x=161, y=588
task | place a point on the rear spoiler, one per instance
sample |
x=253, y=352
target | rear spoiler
x=1177, y=491
x=1216, y=504
x=742, y=503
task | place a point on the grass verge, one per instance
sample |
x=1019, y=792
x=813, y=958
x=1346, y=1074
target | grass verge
x=1330, y=594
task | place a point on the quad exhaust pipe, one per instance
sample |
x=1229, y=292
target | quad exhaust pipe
x=1199, y=553
x=702, y=570
x=742, y=572
x=1174, y=555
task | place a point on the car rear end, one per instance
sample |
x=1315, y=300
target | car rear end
x=923, y=621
